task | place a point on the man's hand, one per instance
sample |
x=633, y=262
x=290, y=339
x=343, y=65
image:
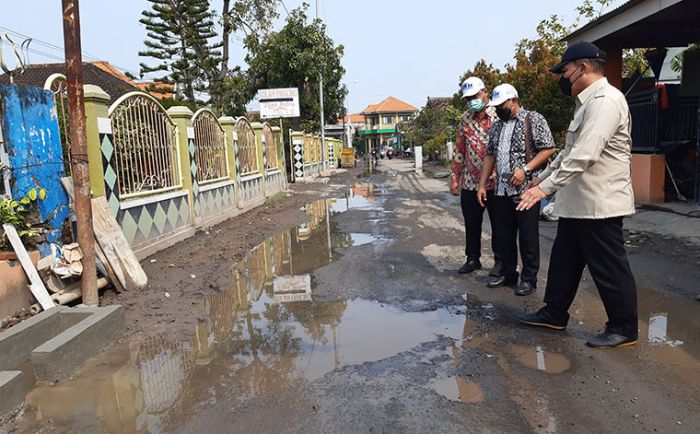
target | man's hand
x=454, y=185
x=517, y=178
x=529, y=198
x=481, y=196
x=534, y=183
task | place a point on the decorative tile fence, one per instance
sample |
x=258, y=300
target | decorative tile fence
x=307, y=159
x=167, y=173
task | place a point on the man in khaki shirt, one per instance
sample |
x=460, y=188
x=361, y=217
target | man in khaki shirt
x=594, y=192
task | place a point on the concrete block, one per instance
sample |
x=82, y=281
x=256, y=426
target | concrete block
x=14, y=386
x=17, y=343
x=61, y=355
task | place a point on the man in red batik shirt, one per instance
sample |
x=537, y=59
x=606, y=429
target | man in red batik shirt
x=470, y=150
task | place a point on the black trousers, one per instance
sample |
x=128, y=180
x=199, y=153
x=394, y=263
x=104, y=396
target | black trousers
x=599, y=244
x=473, y=218
x=518, y=227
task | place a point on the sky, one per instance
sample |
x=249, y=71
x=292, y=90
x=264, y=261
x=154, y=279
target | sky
x=402, y=48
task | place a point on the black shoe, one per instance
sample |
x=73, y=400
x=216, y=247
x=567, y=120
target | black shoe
x=525, y=288
x=496, y=270
x=542, y=318
x=608, y=339
x=470, y=266
x=504, y=280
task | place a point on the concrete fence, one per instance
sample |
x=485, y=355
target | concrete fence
x=167, y=173
x=308, y=160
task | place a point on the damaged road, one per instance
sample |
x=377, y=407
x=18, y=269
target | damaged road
x=338, y=310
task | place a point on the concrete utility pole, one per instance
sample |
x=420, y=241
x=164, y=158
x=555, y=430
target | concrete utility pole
x=79, y=154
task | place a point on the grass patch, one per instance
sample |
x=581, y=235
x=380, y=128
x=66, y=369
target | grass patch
x=275, y=198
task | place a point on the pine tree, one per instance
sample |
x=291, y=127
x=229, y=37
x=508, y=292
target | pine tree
x=179, y=34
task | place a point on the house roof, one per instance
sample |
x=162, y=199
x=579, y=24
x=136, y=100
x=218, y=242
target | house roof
x=389, y=105
x=644, y=24
x=438, y=102
x=157, y=89
x=114, y=85
x=355, y=118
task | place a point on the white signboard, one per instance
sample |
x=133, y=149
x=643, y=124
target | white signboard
x=292, y=288
x=279, y=103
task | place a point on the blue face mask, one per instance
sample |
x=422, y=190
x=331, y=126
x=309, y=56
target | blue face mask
x=476, y=105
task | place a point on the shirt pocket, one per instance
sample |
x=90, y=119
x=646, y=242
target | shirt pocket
x=573, y=130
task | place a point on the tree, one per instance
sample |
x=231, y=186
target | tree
x=294, y=57
x=179, y=34
x=252, y=18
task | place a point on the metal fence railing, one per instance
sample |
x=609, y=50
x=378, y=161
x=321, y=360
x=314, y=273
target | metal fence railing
x=56, y=83
x=644, y=108
x=5, y=172
x=210, y=147
x=270, y=147
x=247, y=148
x=145, y=145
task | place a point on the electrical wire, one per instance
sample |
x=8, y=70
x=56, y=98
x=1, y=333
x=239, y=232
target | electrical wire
x=49, y=45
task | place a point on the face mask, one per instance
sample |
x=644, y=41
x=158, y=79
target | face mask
x=565, y=85
x=503, y=113
x=476, y=105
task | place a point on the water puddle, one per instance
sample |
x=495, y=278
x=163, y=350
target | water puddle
x=668, y=332
x=457, y=389
x=362, y=239
x=264, y=333
x=658, y=331
x=540, y=359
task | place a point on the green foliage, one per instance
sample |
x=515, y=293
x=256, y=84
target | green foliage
x=435, y=146
x=294, y=57
x=677, y=61
x=15, y=213
x=179, y=34
x=275, y=198
x=251, y=19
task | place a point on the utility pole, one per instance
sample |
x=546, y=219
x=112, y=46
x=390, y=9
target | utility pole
x=320, y=99
x=79, y=154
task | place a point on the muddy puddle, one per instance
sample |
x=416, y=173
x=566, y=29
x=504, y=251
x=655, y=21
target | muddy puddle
x=265, y=333
x=457, y=389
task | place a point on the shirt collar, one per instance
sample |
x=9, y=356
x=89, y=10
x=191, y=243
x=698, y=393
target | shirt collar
x=591, y=90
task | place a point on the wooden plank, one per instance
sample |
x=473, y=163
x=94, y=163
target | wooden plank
x=36, y=285
x=115, y=247
x=116, y=282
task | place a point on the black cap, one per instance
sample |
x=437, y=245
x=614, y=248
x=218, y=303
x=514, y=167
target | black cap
x=579, y=50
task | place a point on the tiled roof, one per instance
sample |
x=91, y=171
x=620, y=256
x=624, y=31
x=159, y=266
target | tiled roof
x=36, y=75
x=438, y=102
x=389, y=105
x=356, y=118
x=99, y=73
x=158, y=89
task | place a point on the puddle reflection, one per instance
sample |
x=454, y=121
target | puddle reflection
x=540, y=359
x=262, y=334
x=457, y=389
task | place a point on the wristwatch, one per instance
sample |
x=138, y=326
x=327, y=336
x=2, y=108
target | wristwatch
x=527, y=170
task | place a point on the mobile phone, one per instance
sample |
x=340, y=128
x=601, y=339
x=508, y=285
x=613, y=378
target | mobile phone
x=505, y=177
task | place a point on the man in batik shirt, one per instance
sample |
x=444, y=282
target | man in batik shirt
x=472, y=139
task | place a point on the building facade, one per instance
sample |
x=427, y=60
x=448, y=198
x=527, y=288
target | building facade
x=381, y=121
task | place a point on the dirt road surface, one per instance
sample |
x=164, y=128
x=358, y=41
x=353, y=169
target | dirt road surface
x=338, y=310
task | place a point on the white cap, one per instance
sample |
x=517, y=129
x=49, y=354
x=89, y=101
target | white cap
x=471, y=86
x=502, y=93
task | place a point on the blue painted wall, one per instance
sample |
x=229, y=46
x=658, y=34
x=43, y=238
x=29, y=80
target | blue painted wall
x=33, y=142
